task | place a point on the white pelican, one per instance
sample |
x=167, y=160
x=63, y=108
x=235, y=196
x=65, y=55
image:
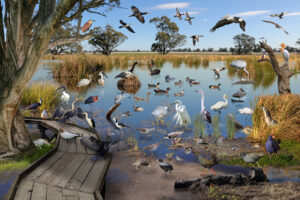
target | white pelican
x=204, y=113
x=101, y=78
x=246, y=110
x=44, y=114
x=84, y=82
x=90, y=121
x=285, y=53
x=240, y=64
x=229, y=20
x=181, y=116
x=221, y=104
x=159, y=112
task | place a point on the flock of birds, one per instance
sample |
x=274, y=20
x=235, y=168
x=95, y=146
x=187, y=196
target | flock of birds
x=181, y=116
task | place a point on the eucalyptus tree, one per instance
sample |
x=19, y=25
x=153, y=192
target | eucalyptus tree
x=244, y=43
x=27, y=29
x=167, y=36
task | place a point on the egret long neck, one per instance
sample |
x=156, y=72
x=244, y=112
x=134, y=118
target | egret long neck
x=202, y=102
x=226, y=100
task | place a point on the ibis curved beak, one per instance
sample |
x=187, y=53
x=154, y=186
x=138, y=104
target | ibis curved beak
x=104, y=74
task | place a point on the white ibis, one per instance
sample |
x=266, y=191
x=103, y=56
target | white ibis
x=87, y=25
x=276, y=25
x=221, y=104
x=138, y=14
x=84, y=82
x=229, y=20
x=127, y=26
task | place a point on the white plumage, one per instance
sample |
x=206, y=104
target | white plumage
x=246, y=110
x=160, y=111
x=44, y=114
x=68, y=135
x=181, y=116
x=84, y=82
x=285, y=53
x=40, y=142
x=119, y=98
x=65, y=97
x=221, y=104
x=240, y=64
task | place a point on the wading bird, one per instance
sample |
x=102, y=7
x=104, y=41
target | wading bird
x=127, y=73
x=268, y=118
x=272, y=146
x=215, y=86
x=239, y=94
x=44, y=114
x=178, y=14
x=90, y=121
x=159, y=112
x=138, y=14
x=221, y=104
x=155, y=71
x=204, y=113
x=285, y=53
x=196, y=38
x=240, y=64
x=229, y=20
x=280, y=15
x=91, y=99
x=174, y=134
x=218, y=70
x=87, y=25
x=188, y=18
x=85, y=82
x=252, y=157
x=167, y=167
x=101, y=78
x=276, y=25
x=181, y=116
x=127, y=26
x=65, y=97
x=34, y=106
x=119, y=125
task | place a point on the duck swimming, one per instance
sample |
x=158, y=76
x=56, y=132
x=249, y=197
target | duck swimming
x=159, y=91
x=153, y=85
x=215, y=86
x=179, y=94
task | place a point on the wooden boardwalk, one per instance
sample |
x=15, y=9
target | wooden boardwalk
x=70, y=171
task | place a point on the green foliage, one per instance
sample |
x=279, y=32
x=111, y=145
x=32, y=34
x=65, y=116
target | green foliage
x=216, y=126
x=292, y=147
x=106, y=40
x=230, y=126
x=24, y=159
x=167, y=37
x=199, y=126
x=243, y=43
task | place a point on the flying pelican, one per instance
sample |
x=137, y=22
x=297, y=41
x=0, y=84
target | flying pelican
x=87, y=25
x=127, y=26
x=188, y=18
x=221, y=104
x=229, y=20
x=153, y=71
x=138, y=14
x=84, y=82
x=44, y=114
x=90, y=121
x=159, y=112
x=276, y=25
x=178, y=13
x=101, y=78
x=181, y=116
x=127, y=73
x=218, y=70
x=285, y=53
x=240, y=64
x=280, y=15
x=165, y=166
x=268, y=118
x=196, y=38
x=204, y=113
x=65, y=97
x=34, y=106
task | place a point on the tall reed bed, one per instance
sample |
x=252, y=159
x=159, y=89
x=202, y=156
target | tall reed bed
x=283, y=108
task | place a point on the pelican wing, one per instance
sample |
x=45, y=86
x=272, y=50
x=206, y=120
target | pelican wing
x=221, y=23
x=270, y=22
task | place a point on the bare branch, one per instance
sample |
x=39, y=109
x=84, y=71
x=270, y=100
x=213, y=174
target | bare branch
x=95, y=12
x=273, y=59
x=67, y=40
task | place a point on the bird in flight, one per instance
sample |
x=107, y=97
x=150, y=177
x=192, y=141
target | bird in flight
x=229, y=20
x=188, y=18
x=139, y=15
x=178, y=13
x=280, y=15
x=276, y=25
x=127, y=26
x=196, y=38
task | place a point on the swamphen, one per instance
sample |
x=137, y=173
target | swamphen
x=272, y=146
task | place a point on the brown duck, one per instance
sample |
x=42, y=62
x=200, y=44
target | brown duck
x=159, y=91
x=215, y=86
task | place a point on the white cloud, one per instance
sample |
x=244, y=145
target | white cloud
x=252, y=13
x=193, y=12
x=167, y=6
x=293, y=14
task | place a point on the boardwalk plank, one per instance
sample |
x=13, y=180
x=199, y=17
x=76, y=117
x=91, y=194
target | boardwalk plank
x=54, y=193
x=24, y=190
x=96, y=173
x=39, y=191
x=70, y=195
x=79, y=146
x=71, y=145
x=56, y=169
x=86, y=196
x=62, y=145
x=37, y=172
x=77, y=180
x=62, y=179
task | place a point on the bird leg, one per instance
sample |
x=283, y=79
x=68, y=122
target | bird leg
x=212, y=171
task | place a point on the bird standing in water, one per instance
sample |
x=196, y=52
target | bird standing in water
x=65, y=97
x=204, y=113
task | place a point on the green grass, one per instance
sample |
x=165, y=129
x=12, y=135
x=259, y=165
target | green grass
x=230, y=126
x=23, y=160
x=216, y=126
x=292, y=147
x=199, y=126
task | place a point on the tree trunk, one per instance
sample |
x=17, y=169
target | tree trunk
x=13, y=133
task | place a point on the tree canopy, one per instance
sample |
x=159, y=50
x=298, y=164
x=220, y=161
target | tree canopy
x=105, y=40
x=167, y=36
x=243, y=43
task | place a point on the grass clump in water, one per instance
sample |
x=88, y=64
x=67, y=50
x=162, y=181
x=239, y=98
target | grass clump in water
x=216, y=126
x=23, y=160
x=230, y=126
x=199, y=126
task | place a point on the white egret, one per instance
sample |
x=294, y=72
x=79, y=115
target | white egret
x=181, y=116
x=221, y=104
x=65, y=97
x=159, y=112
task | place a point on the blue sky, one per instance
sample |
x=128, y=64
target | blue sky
x=206, y=14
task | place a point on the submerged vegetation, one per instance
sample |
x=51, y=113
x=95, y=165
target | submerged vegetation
x=24, y=159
